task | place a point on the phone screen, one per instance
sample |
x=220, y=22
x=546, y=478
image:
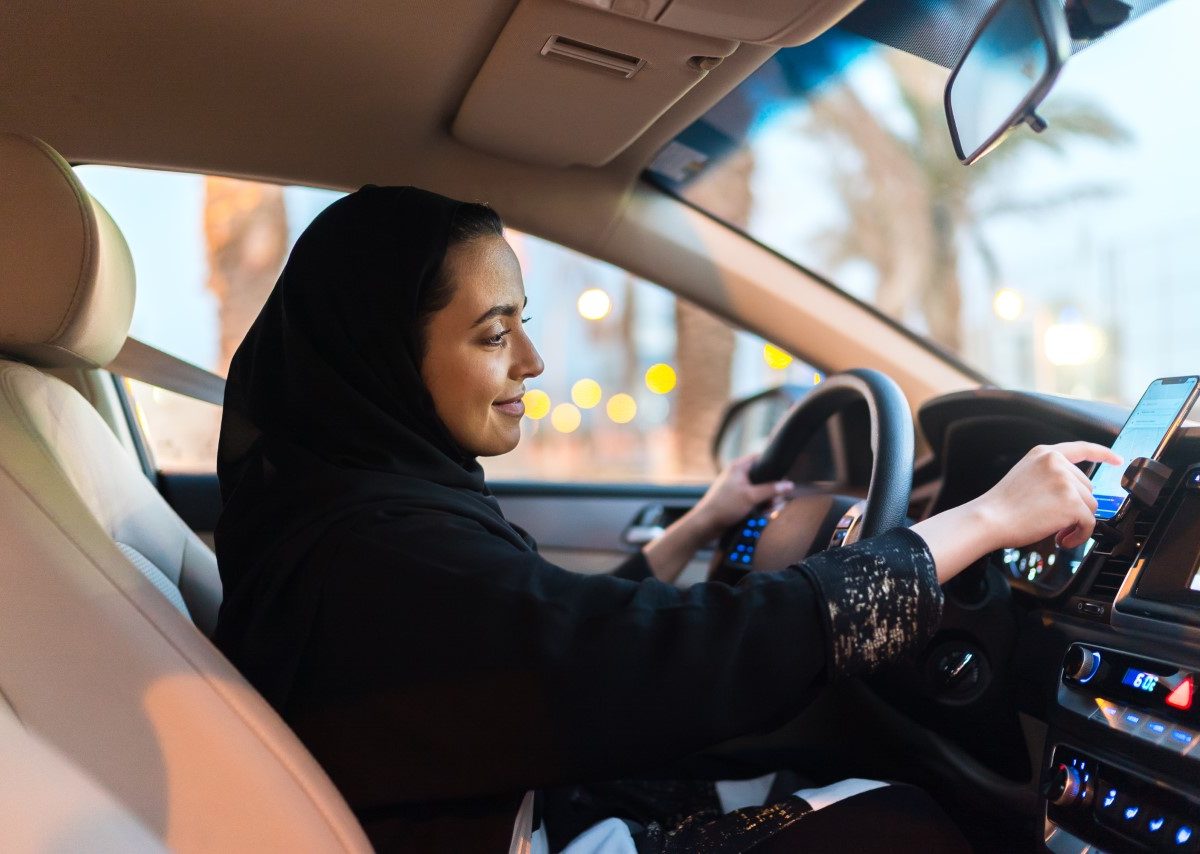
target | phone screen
x=1140, y=437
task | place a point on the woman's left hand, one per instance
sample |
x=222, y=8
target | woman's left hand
x=732, y=496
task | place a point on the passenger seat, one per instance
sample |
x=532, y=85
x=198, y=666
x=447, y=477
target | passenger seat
x=100, y=580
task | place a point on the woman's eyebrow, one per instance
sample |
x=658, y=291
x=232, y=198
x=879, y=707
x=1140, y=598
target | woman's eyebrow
x=506, y=310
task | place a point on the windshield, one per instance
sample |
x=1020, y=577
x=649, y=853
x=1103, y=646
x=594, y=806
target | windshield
x=1062, y=262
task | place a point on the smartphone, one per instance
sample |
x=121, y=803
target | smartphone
x=1150, y=427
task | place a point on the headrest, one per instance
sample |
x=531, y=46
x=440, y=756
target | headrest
x=66, y=275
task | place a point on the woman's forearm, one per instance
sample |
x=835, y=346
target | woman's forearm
x=958, y=537
x=670, y=552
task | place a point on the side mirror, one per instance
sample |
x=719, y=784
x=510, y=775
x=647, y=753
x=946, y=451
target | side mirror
x=1006, y=71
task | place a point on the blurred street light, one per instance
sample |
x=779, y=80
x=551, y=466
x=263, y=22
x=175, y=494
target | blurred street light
x=594, y=304
x=660, y=378
x=537, y=403
x=621, y=408
x=586, y=393
x=1008, y=304
x=775, y=357
x=1073, y=342
x=566, y=418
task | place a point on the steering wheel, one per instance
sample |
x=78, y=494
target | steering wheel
x=810, y=511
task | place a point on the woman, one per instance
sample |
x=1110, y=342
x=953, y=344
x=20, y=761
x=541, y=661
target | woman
x=432, y=661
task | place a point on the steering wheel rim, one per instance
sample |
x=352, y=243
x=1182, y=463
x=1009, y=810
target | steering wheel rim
x=892, y=441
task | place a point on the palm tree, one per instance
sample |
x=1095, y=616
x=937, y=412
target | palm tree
x=246, y=234
x=704, y=344
x=912, y=207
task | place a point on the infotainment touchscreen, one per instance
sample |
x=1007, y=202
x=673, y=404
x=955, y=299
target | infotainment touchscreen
x=1168, y=585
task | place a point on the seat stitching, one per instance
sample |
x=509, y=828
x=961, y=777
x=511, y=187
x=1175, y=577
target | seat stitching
x=87, y=217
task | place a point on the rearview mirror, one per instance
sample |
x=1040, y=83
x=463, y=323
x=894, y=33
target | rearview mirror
x=1004, y=74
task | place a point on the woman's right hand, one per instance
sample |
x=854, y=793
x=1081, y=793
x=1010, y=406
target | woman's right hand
x=1045, y=493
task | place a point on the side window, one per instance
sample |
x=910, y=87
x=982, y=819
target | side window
x=635, y=383
x=207, y=252
x=636, y=379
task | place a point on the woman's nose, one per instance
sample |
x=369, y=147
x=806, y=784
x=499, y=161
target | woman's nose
x=529, y=363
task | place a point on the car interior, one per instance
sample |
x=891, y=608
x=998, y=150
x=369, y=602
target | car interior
x=1052, y=711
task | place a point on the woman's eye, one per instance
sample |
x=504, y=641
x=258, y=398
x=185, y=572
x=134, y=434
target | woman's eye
x=526, y=319
x=497, y=339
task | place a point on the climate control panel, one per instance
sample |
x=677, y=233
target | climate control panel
x=1115, y=809
x=1153, y=701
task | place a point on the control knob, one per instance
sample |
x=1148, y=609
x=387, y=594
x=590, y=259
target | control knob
x=1067, y=788
x=1081, y=664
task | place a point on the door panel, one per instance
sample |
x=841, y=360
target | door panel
x=582, y=527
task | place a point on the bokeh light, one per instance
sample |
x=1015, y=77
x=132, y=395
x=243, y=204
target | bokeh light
x=775, y=357
x=1008, y=304
x=537, y=403
x=566, y=418
x=621, y=408
x=660, y=378
x=586, y=393
x=1073, y=342
x=817, y=378
x=594, y=304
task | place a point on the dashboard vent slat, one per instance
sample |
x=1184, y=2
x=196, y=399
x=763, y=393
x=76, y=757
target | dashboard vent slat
x=1109, y=578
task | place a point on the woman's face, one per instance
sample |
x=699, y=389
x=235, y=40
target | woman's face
x=478, y=355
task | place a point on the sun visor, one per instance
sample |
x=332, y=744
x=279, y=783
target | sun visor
x=777, y=23
x=566, y=84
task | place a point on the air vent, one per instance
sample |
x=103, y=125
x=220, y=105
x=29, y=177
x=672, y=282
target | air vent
x=1148, y=518
x=617, y=64
x=1109, y=578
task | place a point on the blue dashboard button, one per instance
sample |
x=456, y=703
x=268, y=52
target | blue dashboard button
x=1154, y=825
x=1131, y=812
x=1183, y=835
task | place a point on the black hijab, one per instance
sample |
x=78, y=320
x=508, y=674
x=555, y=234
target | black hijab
x=326, y=414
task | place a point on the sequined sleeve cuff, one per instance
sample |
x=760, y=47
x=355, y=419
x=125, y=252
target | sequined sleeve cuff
x=881, y=597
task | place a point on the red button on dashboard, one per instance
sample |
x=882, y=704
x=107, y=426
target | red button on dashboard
x=1181, y=697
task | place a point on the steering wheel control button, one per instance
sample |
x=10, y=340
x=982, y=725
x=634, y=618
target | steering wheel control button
x=741, y=550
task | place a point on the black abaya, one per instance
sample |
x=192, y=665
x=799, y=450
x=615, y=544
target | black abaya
x=433, y=662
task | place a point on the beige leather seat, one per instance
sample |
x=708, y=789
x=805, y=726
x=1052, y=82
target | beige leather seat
x=98, y=576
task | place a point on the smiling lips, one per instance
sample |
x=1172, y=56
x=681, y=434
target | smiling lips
x=514, y=406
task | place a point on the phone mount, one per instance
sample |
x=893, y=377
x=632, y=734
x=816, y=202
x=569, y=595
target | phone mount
x=1144, y=480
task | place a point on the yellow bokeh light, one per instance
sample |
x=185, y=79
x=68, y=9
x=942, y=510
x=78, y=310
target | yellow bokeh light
x=594, y=304
x=816, y=377
x=1008, y=304
x=660, y=378
x=586, y=393
x=621, y=408
x=566, y=418
x=537, y=403
x=775, y=357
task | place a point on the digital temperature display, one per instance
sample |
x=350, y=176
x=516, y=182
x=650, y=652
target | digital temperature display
x=1140, y=680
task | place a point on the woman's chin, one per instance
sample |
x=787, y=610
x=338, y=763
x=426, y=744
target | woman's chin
x=499, y=444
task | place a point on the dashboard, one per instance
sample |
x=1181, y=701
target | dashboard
x=1095, y=650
